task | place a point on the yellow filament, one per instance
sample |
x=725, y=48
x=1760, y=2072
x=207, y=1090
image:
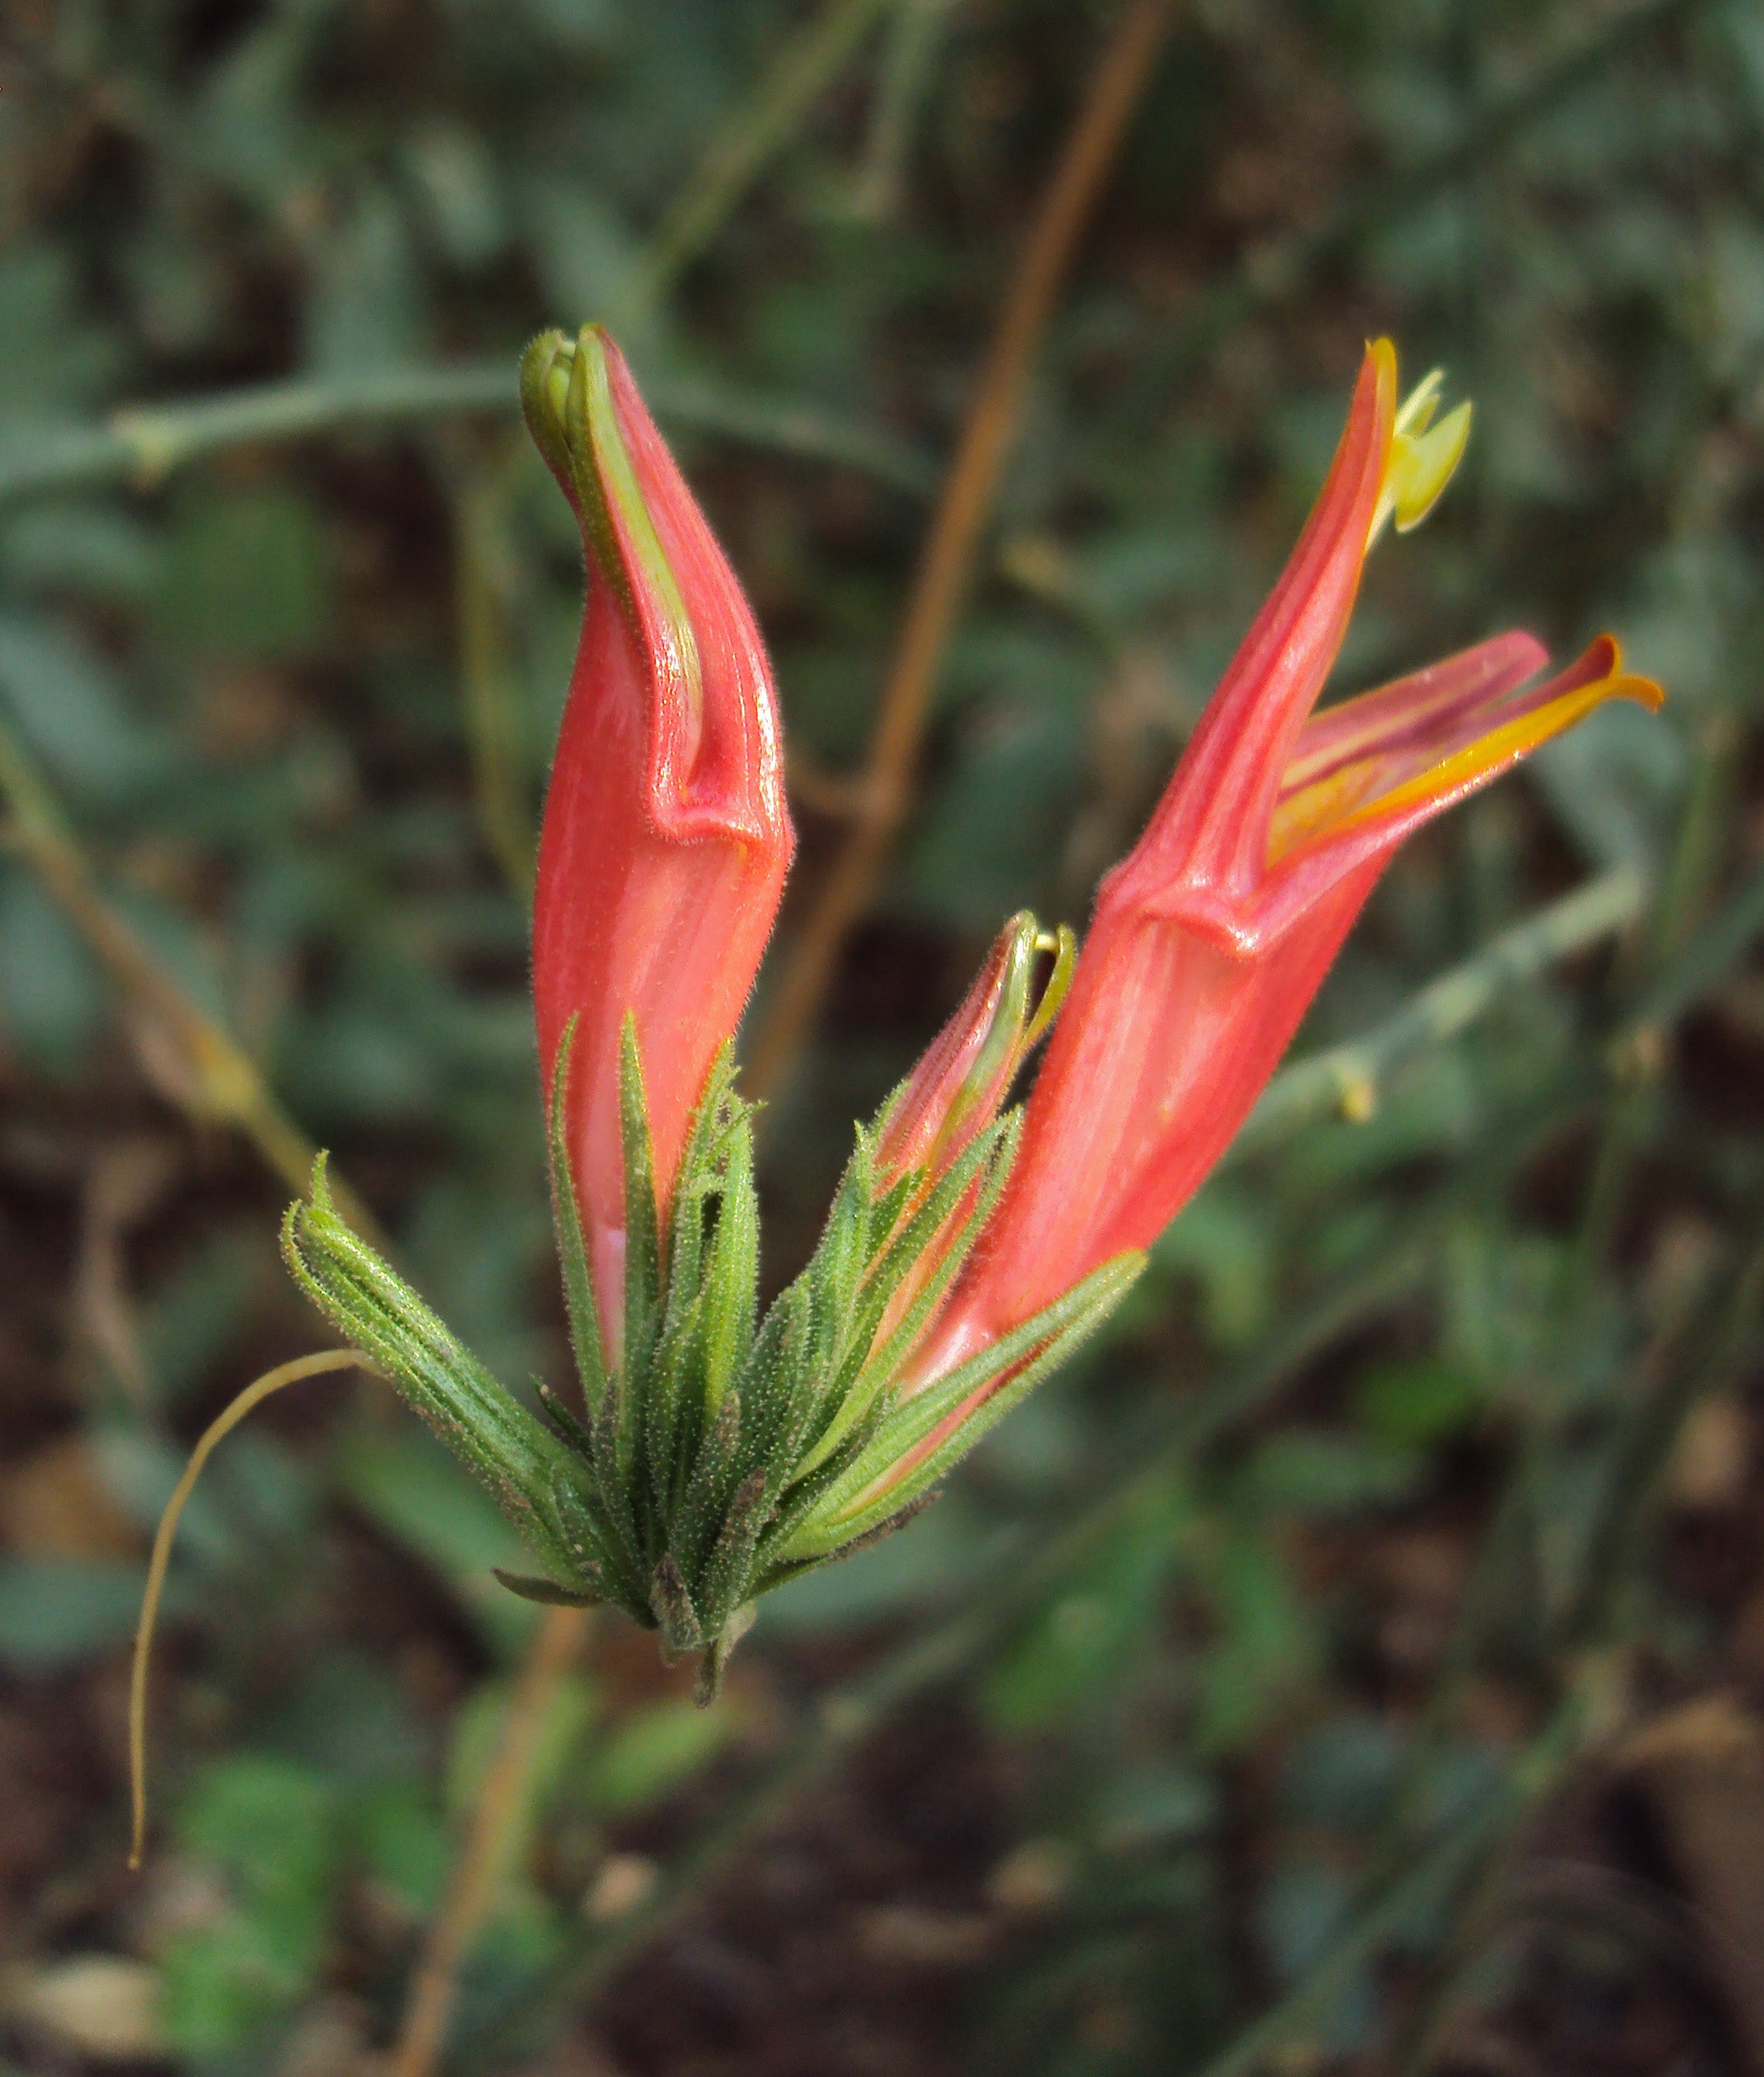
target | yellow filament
x=1503, y=744
x=1325, y=802
x=221, y=1426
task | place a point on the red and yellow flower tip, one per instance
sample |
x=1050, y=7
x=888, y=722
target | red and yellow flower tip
x=666, y=838
x=1212, y=936
x=959, y=1085
x=966, y=1072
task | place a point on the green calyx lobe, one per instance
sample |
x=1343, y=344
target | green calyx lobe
x=727, y=1449
x=566, y=392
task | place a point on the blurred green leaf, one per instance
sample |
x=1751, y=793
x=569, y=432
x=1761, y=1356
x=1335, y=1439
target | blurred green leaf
x=1265, y=1649
x=652, y=1751
x=270, y=1830
x=57, y=356
x=570, y=1712
x=407, y=1485
x=56, y=1612
x=51, y=992
x=369, y=304
x=1343, y=1771
x=586, y=254
x=1154, y=1804
x=401, y=1835
x=1319, y=1472
x=72, y=708
x=1099, y=1626
x=1223, y=1240
x=192, y=1314
x=1418, y=1401
x=454, y=173
x=245, y=573
x=93, y=549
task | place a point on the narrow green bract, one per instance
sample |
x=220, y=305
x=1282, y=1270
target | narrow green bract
x=723, y=1452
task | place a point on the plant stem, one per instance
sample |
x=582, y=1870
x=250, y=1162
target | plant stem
x=991, y=1607
x=144, y=444
x=770, y=117
x=216, y=1432
x=479, y=1864
x=946, y=563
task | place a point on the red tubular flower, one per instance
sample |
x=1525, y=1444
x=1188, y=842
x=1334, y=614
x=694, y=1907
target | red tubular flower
x=1211, y=937
x=666, y=836
x=720, y=1452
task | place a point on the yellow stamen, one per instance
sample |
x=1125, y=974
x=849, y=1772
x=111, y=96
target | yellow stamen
x=1510, y=741
x=1325, y=804
x=1424, y=457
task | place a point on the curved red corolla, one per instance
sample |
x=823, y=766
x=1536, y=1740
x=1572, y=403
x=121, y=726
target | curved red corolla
x=1212, y=936
x=666, y=838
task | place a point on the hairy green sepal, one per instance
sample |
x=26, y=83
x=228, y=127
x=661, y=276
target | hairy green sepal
x=723, y=1451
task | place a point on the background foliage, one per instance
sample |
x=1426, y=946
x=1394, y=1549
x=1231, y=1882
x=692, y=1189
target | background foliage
x=1354, y=1658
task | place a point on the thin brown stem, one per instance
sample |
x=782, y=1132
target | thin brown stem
x=479, y=1865
x=946, y=563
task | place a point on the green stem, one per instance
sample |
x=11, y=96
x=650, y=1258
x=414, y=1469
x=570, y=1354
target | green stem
x=992, y=1607
x=802, y=71
x=144, y=444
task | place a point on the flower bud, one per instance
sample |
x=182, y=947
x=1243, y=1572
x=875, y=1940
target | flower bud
x=666, y=838
x=967, y=1071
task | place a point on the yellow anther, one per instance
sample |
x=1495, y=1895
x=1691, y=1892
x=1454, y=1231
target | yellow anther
x=1424, y=457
